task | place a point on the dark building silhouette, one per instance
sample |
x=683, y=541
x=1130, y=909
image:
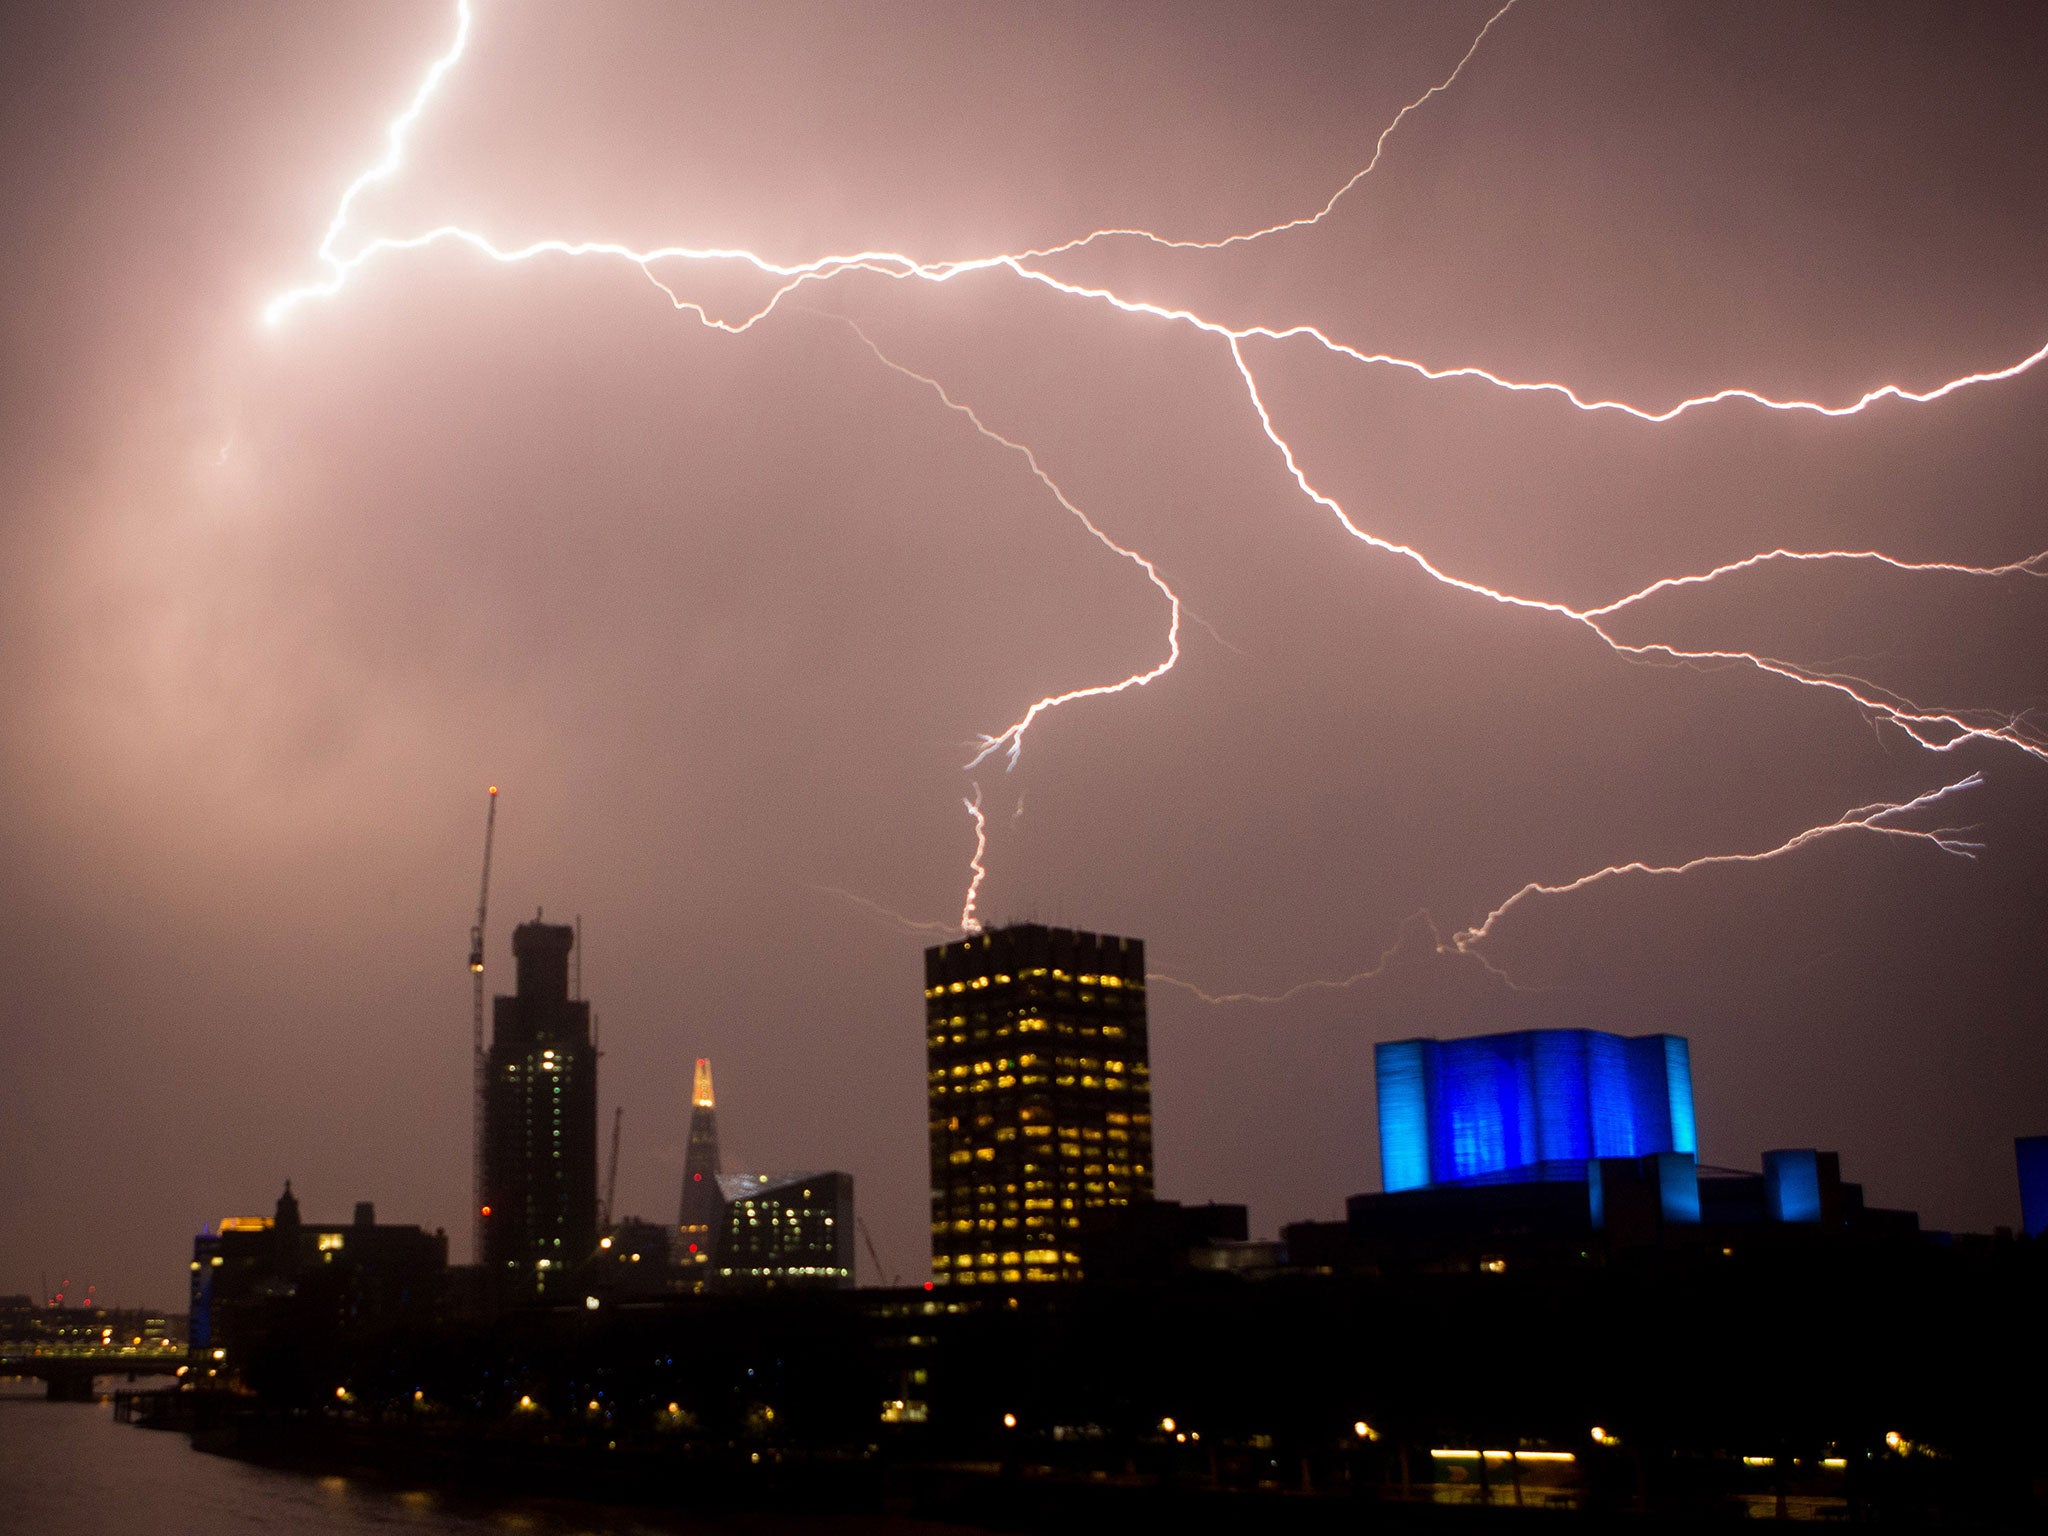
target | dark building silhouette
x=635, y=1260
x=1040, y=1094
x=1151, y=1242
x=540, y=1118
x=786, y=1230
x=703, y=1210
x=285, y=1289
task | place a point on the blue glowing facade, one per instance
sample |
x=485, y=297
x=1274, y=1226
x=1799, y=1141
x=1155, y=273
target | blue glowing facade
x=2031, y=1152
x=1453, y=1110
x=1797, y=1184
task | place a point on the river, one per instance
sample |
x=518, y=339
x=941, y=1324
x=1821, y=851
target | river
x=67, y=1469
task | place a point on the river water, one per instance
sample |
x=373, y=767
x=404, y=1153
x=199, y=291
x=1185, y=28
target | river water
x=67, y=1469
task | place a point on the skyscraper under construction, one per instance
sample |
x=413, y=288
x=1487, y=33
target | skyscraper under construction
x=1041, y=1097
x=539, y=1207
x=702, y=1217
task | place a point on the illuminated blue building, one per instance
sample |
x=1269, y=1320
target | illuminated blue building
x=1458, y=1110
x=2031, y=1152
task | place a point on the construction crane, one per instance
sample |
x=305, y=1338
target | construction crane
x=478, y=1210
x=876, y=1258
x=611, y=1174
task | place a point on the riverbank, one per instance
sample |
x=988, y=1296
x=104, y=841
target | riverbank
x=730, y=1482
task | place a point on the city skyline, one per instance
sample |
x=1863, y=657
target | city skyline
x=726, y=614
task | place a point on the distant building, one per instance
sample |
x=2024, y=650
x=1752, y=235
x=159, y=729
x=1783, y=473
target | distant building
x=1149, y=1242
x=1562, y=1147
x=1040, y=1097
x=785, y=1230
x=702, y=1215
x=1452, y=1110
x=2031, y=1153
x=634, y=1260
x=256, y=1279
x=540, y=1117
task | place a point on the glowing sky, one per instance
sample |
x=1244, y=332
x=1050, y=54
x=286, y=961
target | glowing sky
x=725, y=614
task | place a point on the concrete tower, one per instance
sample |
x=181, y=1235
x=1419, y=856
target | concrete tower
x=540, y=1119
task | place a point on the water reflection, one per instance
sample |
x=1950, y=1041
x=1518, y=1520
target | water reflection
x=67, y=1469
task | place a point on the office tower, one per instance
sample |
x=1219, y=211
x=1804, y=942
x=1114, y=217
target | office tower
x=786, y=1230
x=1040, y=1093
x=1452, y=1110
x=540, y=1117
x=703, y=1210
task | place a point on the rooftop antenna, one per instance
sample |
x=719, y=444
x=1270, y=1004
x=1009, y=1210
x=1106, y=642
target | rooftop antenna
x=476, y=1040
x=576, y=963
x=611, y=1175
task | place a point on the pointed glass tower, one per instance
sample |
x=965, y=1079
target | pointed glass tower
x=703, y=1210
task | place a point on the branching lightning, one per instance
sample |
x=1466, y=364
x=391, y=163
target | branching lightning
x=1931, y=728
x=1010, y=740
x=907, y=924
x=1874, y=818
x=1936, y=730
x=1371, y=973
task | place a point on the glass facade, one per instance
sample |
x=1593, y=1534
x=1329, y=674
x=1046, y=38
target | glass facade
x=1040, y=1095
x=1451, y=1110
x=2031, y=1154
x=785, y=1229
x=701, y=1216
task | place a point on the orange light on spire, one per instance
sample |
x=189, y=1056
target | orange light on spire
x=700, y=1088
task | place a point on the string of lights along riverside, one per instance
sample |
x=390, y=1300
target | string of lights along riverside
x=539, y=1205
x=1453, y=1110
x=1041, y=1097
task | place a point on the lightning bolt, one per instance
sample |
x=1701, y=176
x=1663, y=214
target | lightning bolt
x=1874, y=818
x=1931, y=728
x=1319, y=984
x=1011, y=739
x=383, y=170
x=907, y=924
x=1936, y=730
x=969, y=923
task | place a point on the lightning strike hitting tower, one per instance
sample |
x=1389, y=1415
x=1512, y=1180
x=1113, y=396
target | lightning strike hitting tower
x=1041, y=1097
x=703, y=1208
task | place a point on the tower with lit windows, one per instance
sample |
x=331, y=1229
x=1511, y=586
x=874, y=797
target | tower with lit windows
x=539, y=1205
x=1041, y=1097
x=702, y=1217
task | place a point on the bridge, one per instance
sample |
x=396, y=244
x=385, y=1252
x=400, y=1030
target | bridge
x=69, y=1370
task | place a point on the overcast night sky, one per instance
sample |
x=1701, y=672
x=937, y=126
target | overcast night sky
x=724, y=615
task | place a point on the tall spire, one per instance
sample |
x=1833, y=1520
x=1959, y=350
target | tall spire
x=703, y=1210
